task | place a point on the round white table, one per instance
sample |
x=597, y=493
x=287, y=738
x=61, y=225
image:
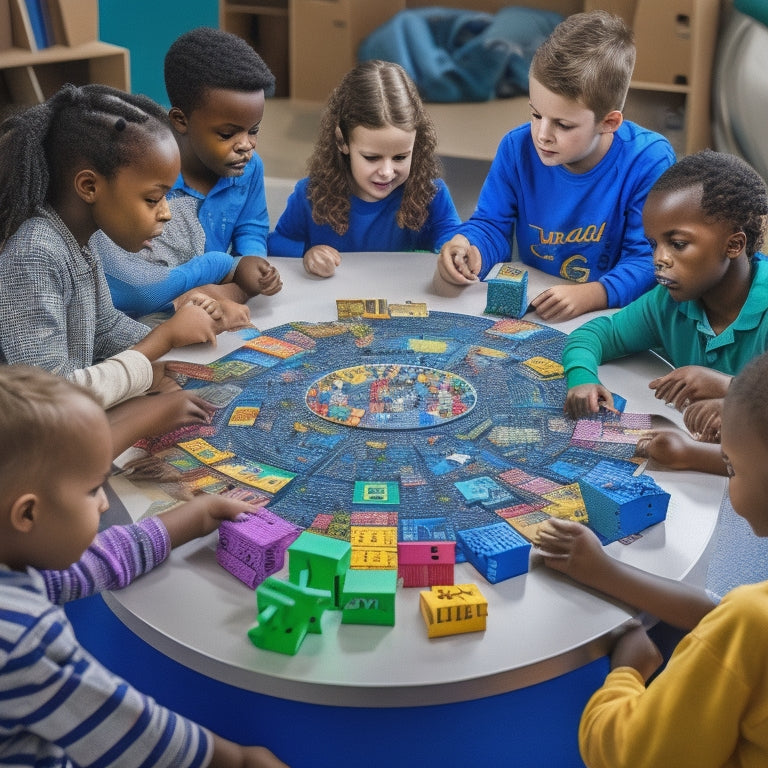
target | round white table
x=546, y=637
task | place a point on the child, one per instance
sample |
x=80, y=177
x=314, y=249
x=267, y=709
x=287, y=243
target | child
x=705, y=221
x=87, y=158
x=215, y=241
x=373, y=176
x=570, y=188
x=709, y=706
x=58, y=705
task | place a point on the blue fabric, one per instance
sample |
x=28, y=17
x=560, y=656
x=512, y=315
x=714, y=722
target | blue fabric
x=582, y=227
x=372, y=226
x=234, y=213
x=138, y=300
x=457, y=55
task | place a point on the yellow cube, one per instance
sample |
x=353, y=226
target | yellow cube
x=453, y=609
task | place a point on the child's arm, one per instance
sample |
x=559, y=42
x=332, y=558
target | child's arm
x=563, y=302
x=321, y=260
x=573, y=549
x=121, y=553
x=459, y=261
x=690, y=383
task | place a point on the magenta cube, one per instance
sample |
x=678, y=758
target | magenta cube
x=426, y=563
x=255, y=548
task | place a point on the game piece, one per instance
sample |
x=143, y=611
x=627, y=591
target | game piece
x=621, y=504
x=425, y=563
x=373, y=547
x=369, y=597
x=254, y=548
x=319, y=562
x=453, y=609
x=507, y=291
x=497, y=551
x=287, y=612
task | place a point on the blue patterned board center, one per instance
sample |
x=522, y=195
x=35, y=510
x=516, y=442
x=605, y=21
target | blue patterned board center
x=510, y=455
x=390, y=396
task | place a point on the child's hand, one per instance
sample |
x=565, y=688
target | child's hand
x=674, y=449
x=254, y=275
x=704, y=419
x=689, y=383
x=269, y=278
x=200, y=299
x=201, y=516
x=459, y=262
x=635, y=649
x=168, y=411
x=235, y=315
x=190, y=324
x=571, y=548
x=584, y=400
x=563, y=302
x=227, y=754
x=321, y=260
x=161, y=382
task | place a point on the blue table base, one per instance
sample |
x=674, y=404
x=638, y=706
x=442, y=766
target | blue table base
x=533, y=727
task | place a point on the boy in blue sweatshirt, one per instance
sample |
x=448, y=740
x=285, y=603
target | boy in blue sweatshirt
x=569, y=189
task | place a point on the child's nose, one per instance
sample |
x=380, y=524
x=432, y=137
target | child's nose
x=163, y=210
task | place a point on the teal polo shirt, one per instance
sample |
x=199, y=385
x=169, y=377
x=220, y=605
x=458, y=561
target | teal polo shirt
x=680, y=332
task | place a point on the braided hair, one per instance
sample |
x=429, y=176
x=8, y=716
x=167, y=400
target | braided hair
x=42, y=146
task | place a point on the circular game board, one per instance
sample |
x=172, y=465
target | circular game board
x=463, y=418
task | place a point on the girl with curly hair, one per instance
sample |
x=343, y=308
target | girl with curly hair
x=373, y=176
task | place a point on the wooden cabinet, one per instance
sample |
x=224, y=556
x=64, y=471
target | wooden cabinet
x=676, y=42
x=29, y=75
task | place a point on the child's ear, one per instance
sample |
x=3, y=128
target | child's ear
x=86, y=184
x=340, y=143
x=611, y=122
x=178, y=120
x=24, y=513
x=737, y=242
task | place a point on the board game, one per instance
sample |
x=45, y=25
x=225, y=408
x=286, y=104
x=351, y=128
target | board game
x=431, y=425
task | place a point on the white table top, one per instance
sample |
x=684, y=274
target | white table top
x=539, y=624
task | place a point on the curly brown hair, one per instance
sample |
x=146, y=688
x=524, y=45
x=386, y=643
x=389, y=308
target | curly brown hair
x=374, y=94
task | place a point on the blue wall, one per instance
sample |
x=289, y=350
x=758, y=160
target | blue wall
x=147, y=29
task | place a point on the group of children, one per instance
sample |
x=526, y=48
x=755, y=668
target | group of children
x=126, y=231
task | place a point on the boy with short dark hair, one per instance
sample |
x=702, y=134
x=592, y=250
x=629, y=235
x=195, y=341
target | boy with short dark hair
x=569, y=188
x=216, y=239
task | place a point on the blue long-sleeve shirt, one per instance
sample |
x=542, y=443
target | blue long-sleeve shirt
x=584, y=227
x=372, y=226
x=198, y=244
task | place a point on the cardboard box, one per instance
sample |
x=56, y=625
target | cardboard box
x=324, y=38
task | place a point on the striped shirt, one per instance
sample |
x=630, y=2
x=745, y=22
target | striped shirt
x=59, y=707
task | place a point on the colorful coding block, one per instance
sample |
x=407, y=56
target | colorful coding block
x=319, y=562
x=286, y=613
x=507, y=292
x=254, y=548
x=498, y=551
x=453, y=609
x=426, y=563
x=369, y=597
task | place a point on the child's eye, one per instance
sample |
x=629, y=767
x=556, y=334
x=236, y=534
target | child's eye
x=226, y=136
x=535, y=116
x=679, y=245
x=400, y=158
x=95, y=491
x=254, y=132
x=152, y=202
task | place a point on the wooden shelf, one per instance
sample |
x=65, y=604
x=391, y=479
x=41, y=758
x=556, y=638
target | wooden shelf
x=29, y=75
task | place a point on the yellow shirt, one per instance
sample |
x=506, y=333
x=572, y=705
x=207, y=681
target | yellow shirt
x=708, y=708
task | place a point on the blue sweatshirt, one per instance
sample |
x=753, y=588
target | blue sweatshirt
x=372, y=226
x=582, y=227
